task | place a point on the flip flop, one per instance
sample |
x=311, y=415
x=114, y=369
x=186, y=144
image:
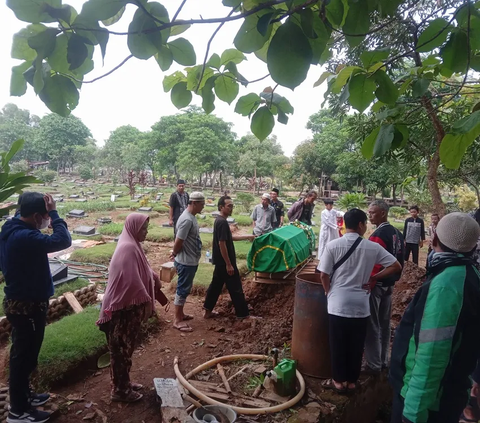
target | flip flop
x=136, y=386
x=213, y=315
x=187, y=317
x=328, y=384
x=183, y=328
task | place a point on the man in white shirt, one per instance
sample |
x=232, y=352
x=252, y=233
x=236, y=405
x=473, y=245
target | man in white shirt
x=329, y=228
x=345, y=268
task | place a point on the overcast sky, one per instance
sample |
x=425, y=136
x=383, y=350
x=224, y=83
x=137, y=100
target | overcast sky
x=134, y=94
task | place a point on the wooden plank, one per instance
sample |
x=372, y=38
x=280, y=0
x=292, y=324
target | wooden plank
x=272, y=396
x=224, y=378
x=72, y=300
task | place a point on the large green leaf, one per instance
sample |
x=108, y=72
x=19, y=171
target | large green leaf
x=16, y=146
x=232, y=55
x=420, y=87
x=342, y=78
x=323, y=77
x=454, y=146
x=401, y=136
x=33, y=11
x=144, y=45
x=371, y=57
x=262, y=123
x=214, y=61
x=43, y=42
x=248, y=39
x=208, y=98
x=193, y=77
x=58, y=59
x=357, y=22
x=66, y=13
x=434, y=35
x=247, y=104
x=164, y=58
x=231, y=3
x=77, y=51
x=467, y=124
x=60, y=95
x=115, y=18
x=289, y=56
x=226, y=88
x=337, y=11
x=20, y=48
x=18, y=84
x=171, y=80
x=102, y=10
x=369, y=143
x=262, y=53
x=180, y=96
x=183, y=52
x=455, y=52
x=386, y=92
x=384, y=140
x=361, y=90
x=178, y=29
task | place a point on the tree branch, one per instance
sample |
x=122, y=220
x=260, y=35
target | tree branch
x=179, y=10
x=207, y=51
x=100, y=77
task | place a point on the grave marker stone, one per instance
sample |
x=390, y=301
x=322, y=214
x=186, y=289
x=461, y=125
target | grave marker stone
x=230, y=220
x=77, y=213
x=81, y=200
x=145, y=209
x=104, y=220
x=84, y=230
x=215, y=214
x=74, y=196
x=206, y=230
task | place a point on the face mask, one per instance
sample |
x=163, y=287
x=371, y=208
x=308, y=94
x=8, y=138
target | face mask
x=44, y=224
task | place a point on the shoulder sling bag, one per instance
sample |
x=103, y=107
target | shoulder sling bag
x=346, y=256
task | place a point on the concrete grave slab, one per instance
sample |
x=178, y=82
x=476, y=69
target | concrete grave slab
x=74, y=196
x=104, y=220
x=77, y=213
x=145, y=209
x=201, y=216
x=206, y=230
x=84, y=230
x=215, y=213
x=230, y=220
x=81, y=200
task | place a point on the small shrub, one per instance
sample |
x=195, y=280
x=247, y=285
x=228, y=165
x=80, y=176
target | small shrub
x=246, y=199
x=20, y=166
x=398, y=212
x=466, y=199
x=85, y=173
x=161, y=209
x=351, y=200
x=47, y=176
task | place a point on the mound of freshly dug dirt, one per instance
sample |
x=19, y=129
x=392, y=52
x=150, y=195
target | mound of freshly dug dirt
x=405, y=289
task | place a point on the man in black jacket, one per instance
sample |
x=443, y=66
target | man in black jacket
x=377, y=342
x=414, y=234
x=24, y=262
x=178, y=203
x=278, y=207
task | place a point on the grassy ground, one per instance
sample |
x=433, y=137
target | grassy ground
x=242, y=249
x=59, y=290
x=67, y=343
x=100, y=254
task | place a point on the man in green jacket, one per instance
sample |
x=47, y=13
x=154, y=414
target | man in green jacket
x=437, y=343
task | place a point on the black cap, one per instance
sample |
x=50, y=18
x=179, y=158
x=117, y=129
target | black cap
x=328, y=201
x=275, y=190
x=180, y=182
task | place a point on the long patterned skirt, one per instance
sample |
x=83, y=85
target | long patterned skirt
x=122, y=334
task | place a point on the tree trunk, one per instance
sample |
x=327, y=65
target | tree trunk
x=221, y=182
x=394, y=194
x=254, y=178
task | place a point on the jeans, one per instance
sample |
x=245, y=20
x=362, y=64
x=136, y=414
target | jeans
x=347, y=338
x=27, y=337
x=186, y=274
x=377, y=342
x=235, y=289
x=414, y=249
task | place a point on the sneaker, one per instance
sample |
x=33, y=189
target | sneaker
x=30, y=416
x=36, y=400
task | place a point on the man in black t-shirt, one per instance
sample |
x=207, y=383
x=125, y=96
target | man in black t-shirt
x=278, y=207
x=224, y=259
x=178, y=203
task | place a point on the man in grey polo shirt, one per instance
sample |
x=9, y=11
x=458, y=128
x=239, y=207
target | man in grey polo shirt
x=187, y=251
x=263, y=216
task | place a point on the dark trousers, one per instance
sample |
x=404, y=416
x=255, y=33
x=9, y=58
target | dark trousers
x=27, y=338
x=414, y=249
x=235, y=289
x=347, y=339
x=450, y=409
